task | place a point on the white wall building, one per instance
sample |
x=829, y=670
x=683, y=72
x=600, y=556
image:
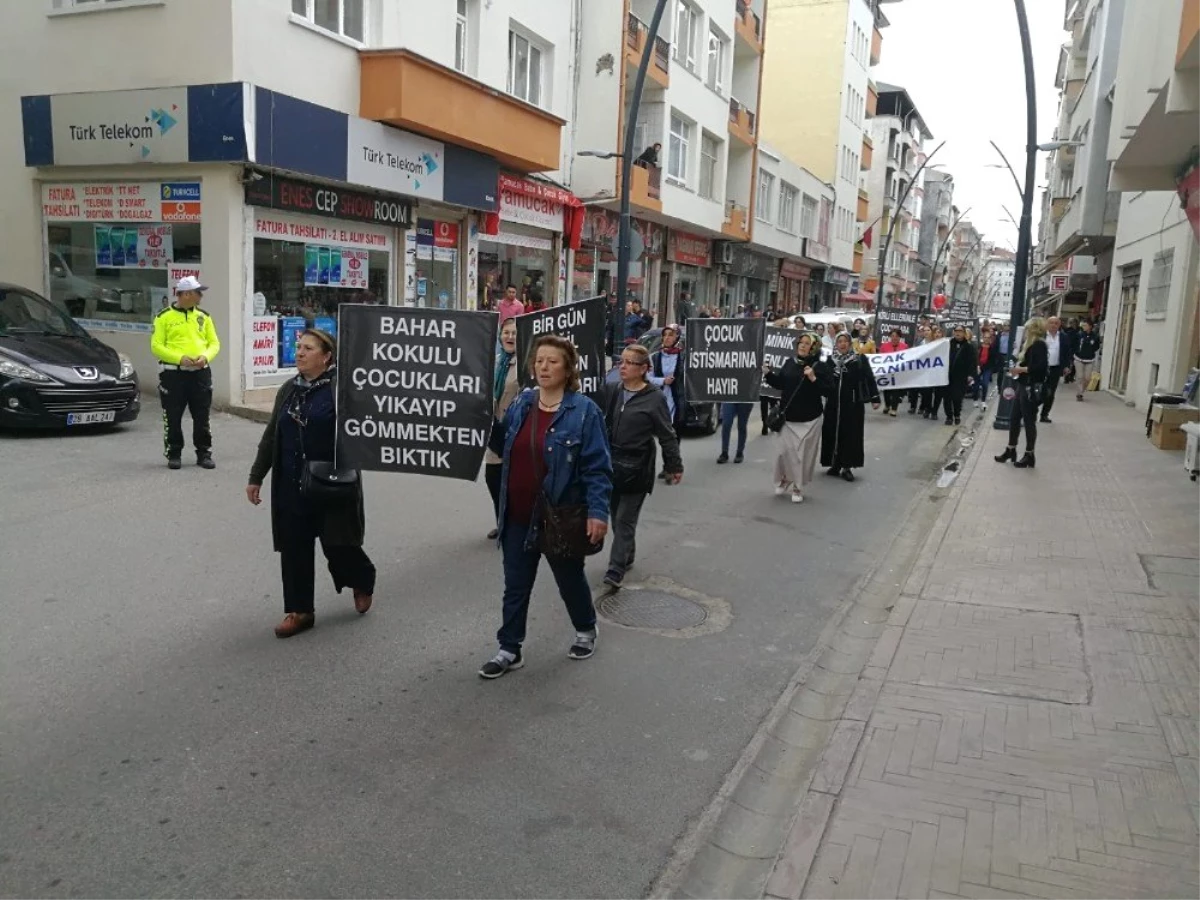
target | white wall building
x=297, y=153
x=997, y=293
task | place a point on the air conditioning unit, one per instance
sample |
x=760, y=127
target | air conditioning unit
x=726, y=254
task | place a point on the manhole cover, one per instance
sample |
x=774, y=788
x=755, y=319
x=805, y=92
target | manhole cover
x=651, y=609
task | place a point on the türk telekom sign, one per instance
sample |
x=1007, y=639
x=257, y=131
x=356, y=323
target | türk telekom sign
x=531, y=203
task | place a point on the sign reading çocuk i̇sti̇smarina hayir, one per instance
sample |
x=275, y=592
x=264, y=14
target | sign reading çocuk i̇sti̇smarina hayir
x=415, y=389
x=583, y=324
x=724, y=360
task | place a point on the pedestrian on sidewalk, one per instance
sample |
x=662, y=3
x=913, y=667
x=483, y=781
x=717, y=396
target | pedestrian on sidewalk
x=303, y=430
x=510, y=305
x=636, y=414
x=185, y=342
x=963, y=368
x=1030, y=371
x=505, y=387
x=849, y=384
x=557, y=474
x=989, y=364
x=802, y=403
x=894, y=344
x=731, y=413
x=1087, y=348
x=1060, y=354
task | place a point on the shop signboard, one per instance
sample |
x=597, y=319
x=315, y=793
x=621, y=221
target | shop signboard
x=133, y=246
x=794, y=270
x=689, y=249
x=748, y=264
x=179, y=201
x=103, y=201
x=264, y=345
x=531, y=202
x=415, y=390
x=308, y=198
x=724, y=360
x=389, y=159
x=584, y=323
x=282, y=227
x=816, y=250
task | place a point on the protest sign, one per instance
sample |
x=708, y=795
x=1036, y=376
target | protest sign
x=889, y=317
x=917, y=367
x=583, y=323
x=724, y=360
x=950, y=322
x=415, y=389
x=779, y=345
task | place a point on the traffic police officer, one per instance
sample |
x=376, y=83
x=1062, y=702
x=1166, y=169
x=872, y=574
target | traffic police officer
x=185, y=342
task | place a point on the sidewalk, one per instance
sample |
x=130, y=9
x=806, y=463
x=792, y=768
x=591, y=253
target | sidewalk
x=1027, y=722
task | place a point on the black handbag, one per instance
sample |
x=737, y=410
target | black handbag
x=324, y=484
x=563, y=533
x=778, y=416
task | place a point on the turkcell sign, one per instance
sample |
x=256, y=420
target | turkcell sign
x=392, y=160
x=114, y=127
x=186, y=191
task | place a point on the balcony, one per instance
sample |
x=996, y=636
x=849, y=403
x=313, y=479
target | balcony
x=748, y=26
x=858, y=258
x=876, y=45
x=872, y=100
x=737, y=222
x=404, y=89
x=636, y=33
x=868, y=153
x=644, y=187
x=742, y=122
x=864, y=205
x=1059, y=207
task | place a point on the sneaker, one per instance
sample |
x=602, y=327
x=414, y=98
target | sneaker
x=613, y=579
x=501, y=663
x=797, y=497
x=722, y=459
x=892, y=413
x=739, y=458
x=781, y=489
x=585, y=644
x=174, y=462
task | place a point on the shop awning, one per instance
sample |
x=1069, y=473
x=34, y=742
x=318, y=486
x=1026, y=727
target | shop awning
x=858, y=297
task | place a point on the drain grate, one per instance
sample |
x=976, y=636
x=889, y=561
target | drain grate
x=651, y=609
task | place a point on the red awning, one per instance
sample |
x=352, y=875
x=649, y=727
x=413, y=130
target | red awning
x=860, y=297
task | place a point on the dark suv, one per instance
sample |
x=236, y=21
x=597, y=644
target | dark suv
x=696, y=416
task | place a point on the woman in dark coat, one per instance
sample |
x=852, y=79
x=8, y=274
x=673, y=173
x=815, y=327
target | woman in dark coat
x=1030, y=370
x=850, y=383
x=303, y=427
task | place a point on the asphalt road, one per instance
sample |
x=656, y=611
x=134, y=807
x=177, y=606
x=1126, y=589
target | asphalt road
x=157, y=740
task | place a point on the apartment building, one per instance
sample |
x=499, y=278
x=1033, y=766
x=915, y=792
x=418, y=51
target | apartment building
x=1082, y=209
x=1151, y=330
x=965, y=259
x=898, y=133
x=817, y=99
x=700, y=106
x=295, y=154
x=995, y=300
x=938, y=214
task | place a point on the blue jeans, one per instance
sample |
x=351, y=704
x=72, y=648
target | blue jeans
x=520, y=572
x=729, y=412
x=982, y=383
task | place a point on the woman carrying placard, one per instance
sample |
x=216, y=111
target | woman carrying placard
x=505, y=388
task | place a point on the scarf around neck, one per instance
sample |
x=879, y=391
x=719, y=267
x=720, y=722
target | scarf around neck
x=503, y=361
x=841, y=360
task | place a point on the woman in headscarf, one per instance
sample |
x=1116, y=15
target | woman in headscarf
x=800, y=388
x=505, y=388
x=666, y=372
x=849, y=383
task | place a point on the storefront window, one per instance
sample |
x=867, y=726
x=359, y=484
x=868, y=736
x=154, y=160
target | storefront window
x=526, y=261
x=436, y=271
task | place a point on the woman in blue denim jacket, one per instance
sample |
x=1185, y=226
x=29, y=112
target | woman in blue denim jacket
x=556, y=453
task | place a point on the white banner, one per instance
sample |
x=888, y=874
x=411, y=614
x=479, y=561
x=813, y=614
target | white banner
x=925, y=366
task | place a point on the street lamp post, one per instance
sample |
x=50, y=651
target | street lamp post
x=942, y=249
x=883, y=249
x=962, y=265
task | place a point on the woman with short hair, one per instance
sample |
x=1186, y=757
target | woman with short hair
x=556, y=478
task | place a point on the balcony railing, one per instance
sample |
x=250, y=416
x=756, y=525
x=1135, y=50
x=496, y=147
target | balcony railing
x=635, y=33
x=662, y=54
x=739, y=114
x=654, y=187
x=750, y=17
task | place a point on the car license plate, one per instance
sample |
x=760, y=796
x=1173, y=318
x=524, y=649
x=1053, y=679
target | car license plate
x=91, y=418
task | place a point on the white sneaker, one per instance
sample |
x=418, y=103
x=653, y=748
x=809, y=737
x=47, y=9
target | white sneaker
x=781, y=489
x=797, y=497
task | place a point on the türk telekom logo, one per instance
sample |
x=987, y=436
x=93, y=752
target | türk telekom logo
x=156, y=123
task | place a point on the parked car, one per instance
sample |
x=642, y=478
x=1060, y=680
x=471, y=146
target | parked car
x=696, y=416
x=80, y=296
x=53, y=374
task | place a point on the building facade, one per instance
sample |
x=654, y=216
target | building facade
x=997, y=289
x=938, y=215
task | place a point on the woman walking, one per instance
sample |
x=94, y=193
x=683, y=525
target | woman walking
x=963, y=368
x=894, y=344
x=554, y=493
x=850, y=383
x=860, y=337
x=989, y=365
x=1030, y=371
x=505, y=388
x=636, y=415
x=801, y=391
x=303, y=430
x=666, y=371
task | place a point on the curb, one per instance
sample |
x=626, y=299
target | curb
x=761, y=832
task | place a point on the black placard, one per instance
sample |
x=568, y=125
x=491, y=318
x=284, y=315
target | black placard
x=583, y=323
x=952, y=321
x=415, y=389
x=779, y=345
x=889, y=317
x=313, y=199
x=725, y=358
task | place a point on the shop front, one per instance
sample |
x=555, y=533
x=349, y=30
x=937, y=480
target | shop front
x=694, y=284
x=794, y=281
x=748, y=276
x=595, y=266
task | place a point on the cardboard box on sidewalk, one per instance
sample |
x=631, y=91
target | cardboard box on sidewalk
x=1165, y=430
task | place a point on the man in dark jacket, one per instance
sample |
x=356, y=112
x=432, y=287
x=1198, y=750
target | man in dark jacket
x=636, y=414
x=964, y=367
x=1061, y=355
x=1087, y=349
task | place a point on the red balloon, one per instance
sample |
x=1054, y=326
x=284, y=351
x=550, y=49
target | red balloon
x=939, y=301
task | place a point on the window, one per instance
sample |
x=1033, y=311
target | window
x=808, y=217
x=1159, y=290
x=343, y=17
x=524, y=69
x=766, y=185
x=460, y=37
x=716, y=62
x=687, y=35
x=710, y=150
x=677, y=153
x=787, y=206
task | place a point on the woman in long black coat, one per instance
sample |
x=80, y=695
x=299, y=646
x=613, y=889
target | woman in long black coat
x=850, y=383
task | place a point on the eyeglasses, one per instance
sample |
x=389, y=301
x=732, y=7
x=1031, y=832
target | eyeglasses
x=633, y=362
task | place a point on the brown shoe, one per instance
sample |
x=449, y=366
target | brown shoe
x=362, y=601
x=294, y=623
